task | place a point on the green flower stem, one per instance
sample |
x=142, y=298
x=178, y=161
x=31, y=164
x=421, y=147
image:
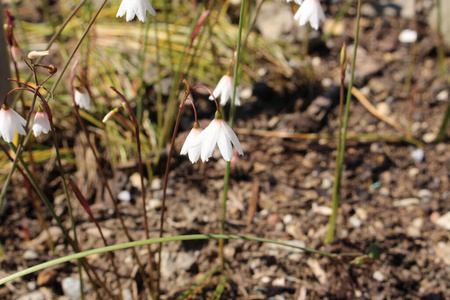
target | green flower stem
x=72, y=54
x=164, y=240
x=342, y=143
x=226, y=177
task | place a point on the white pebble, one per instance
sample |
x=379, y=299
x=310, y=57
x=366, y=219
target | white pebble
x=418, y=155
x=408, y=36
x=124, y=196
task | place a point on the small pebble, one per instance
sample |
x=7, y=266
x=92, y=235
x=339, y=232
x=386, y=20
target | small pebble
x=425, y=195
x=355, y=222
x=30, y=255
x=378, y=276
x=444, y=221
x=442, y=96
x=274, y=219
x=384, y=108
x=418, y=154
x=36, y=295
x=124, y=196
x=408, y=36
x=153, y=204
x=321, y=210
x=156, y=184
x=287, y=219
x=429, y=137
x=71, y=288
x=406, y=202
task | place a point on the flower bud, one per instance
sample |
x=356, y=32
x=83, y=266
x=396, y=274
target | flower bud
x=34, y=54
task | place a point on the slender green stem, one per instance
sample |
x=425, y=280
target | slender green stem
x=342, y=143
x=72, y=54
x=57, y=34
x=164, y=240
x=226, y=178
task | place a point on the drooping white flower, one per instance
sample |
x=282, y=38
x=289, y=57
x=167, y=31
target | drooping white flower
x=224, y=89
x=217, y=133
x=10, y=123
x=311, y=11
x=299, y=2
x=137, y=8
x=41, y=123
x=82, y=98
x=192, y=151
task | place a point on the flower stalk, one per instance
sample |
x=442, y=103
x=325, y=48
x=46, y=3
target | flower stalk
x=342, y=143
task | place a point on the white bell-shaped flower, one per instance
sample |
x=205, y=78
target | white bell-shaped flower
x=224, y=89
x=310, y=11
x=10, y=123
x=192, y=151
x=82, y=98
x=217, y=133
x=137, y=8
x=41, y=123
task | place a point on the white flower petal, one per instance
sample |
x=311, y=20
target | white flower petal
x=82, y=98
x=135, y=7
x=311, y=11
x=233, y=138
x=192, y=151
x=208, y=139
x=41, y=124
x=10, y=123
x=224, y=144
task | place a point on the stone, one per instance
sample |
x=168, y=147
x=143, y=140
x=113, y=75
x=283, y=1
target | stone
x=30, y=255
x=378, y=276
x=355, y=222
x=425, y=195
x=429, y=137
x=442, y=95
x=444, y=221
x=156, y=184
x=135, y=181
x=442, y=251
x=406, y=202
x=417, y=155
x=124, y=196
x=321, y=210
x=408, y=36
x=153, y=204
x=384, y=108
x=71, y=288
x=36, y=295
